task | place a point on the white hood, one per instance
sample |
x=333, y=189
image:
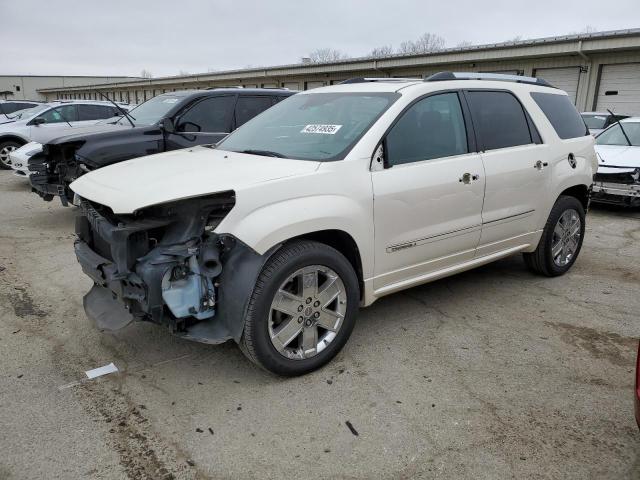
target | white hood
x=129, y=186
x=618, y=156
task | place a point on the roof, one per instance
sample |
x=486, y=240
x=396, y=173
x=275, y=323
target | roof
x=216, y=91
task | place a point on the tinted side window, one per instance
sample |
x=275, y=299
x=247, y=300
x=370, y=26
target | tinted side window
x=431, y=128
x=60, y=114
x=10, y=107
x=562, y=114
x=209, y=115
x=94, y=112
x=249, y=107
x=499, y=119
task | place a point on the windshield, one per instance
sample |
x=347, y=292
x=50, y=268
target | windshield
x=29, y=112
x=595, y=121
x=614, y=135
x=315, y=126
x=151, y=111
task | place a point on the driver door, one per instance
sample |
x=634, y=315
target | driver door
x=208, y=120
x=428, y=198
x=56, y=119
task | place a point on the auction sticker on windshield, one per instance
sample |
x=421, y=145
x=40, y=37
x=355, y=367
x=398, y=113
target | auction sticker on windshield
x=325, y=129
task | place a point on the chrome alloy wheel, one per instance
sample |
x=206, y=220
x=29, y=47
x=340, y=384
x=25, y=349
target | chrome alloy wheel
x=4, y=154
x=307, y=312
x=566, y=237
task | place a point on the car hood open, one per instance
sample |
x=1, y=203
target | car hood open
x=618, y=156
x=129, y=186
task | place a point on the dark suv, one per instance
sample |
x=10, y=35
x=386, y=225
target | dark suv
x=169, y=121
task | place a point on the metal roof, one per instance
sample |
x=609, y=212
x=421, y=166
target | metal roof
x=547, y=46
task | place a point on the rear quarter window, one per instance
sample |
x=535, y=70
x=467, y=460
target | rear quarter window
x=562, y=114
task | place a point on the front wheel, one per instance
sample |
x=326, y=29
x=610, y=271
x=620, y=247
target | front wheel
x=561, y=239
x=5, y=149
x=302, y=309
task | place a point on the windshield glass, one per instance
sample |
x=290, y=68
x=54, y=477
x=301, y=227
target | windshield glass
x=315, y=126
x=594, y=121
x=614, y=136
x=29, y=112
x=151, y=111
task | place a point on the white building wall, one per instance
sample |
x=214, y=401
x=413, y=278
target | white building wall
x=25, y=87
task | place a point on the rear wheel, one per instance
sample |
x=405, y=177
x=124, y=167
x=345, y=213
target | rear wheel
x=5, y=149
x=302, y=309
x=561, y=239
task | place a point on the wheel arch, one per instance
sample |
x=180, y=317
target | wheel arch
x=12, y=137
x=344, y=243
x=580, y=192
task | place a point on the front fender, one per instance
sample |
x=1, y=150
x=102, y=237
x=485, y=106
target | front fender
x=275, y=223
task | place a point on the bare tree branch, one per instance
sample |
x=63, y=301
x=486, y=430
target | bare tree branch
x=323, y=55
x=427, y=42
x=145, y=73
x=383, y=51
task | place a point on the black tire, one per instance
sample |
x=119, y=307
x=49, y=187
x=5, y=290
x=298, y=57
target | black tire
x=256, y=342
x=541, y=260
x=3, y=145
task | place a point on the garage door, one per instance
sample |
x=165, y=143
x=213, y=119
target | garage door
x=310, y=85
x=566, y=79
x=291, y=85
x=619, y=89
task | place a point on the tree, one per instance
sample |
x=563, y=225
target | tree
x=324, y=55
x=514, y=39
x=383, y=51
x=182, y=73
x=464, y=44
x=145, y=73
x=427, y=42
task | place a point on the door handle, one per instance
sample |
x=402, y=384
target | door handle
x=539, y=165
x=467, y=178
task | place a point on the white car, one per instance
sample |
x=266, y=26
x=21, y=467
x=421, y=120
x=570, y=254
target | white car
x=8, y=108
x=597, y=122
x=618, y=177
x=330, y=200
x=50, y=120
x=19, y=158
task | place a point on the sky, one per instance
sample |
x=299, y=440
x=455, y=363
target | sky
x=115, y=37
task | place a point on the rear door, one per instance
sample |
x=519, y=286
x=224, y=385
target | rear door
x=207, y=120
x=428, y=199
x=516, y=169
x=91, y=114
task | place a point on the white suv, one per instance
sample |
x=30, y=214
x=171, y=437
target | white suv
x=330, y=200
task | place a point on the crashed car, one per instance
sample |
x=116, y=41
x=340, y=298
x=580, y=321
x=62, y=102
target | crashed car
x=45, y=121
x=330, y=200
x=618, y=178
x=597, y=122
x=19, y=158
x=166, y=122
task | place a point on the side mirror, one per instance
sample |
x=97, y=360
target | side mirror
x=37, y=121
x=167, y=125
x=189, y=127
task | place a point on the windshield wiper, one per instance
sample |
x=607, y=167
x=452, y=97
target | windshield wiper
x=621, y=127
x=264, y=153
x=4, y=113
x=122, y=110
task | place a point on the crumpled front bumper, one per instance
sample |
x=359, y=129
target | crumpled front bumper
x=129, y=282
x=616, y=193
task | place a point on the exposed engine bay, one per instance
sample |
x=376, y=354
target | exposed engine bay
x=165, y=264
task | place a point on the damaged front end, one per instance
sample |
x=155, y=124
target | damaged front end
x=166, y=265
x=53, y=170
x=617, y=185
